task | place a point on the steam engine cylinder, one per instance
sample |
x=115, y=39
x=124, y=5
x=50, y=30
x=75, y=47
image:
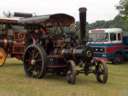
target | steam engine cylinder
x=81, y=53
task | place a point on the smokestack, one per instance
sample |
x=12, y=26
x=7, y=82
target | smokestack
x=82, y=14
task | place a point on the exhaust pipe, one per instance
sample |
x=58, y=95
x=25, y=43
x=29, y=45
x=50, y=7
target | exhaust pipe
x=82, y=15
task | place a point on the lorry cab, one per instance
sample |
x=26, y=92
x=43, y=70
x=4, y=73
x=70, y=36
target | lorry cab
x=110, y=35
x=107, y=44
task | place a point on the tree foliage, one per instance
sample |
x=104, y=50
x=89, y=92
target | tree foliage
x=123, y=9
x=117, y=22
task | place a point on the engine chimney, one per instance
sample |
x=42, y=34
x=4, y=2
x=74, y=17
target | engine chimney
x=82, y=14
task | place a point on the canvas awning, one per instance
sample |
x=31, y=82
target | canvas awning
x=8, y=21
x=49, y=20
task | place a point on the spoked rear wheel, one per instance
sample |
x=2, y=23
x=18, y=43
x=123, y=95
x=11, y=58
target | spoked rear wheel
x=101, y=72
x=35, y=61
x=3, y=56
x=71, y=73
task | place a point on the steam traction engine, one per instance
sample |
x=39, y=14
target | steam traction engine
x=12, y=36
x=63, y=53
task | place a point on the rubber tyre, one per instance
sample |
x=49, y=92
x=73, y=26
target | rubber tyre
x=118, y=59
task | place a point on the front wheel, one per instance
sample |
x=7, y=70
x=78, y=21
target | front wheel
x=71, y=73
x=101, y=72
x=3, y=56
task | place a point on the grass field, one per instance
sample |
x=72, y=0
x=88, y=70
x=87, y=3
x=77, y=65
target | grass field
x=13, y=82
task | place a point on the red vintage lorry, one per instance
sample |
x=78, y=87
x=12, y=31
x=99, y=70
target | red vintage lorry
x=110, y=44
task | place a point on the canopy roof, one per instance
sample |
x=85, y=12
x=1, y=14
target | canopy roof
x=49, y=20
x=8, y=21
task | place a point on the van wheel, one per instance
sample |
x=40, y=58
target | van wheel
x=118, y=59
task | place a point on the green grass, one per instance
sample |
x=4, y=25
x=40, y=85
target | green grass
x=13, y=82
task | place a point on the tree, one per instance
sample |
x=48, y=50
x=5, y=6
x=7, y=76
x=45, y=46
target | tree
x=123, y=9
x=117, y=22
